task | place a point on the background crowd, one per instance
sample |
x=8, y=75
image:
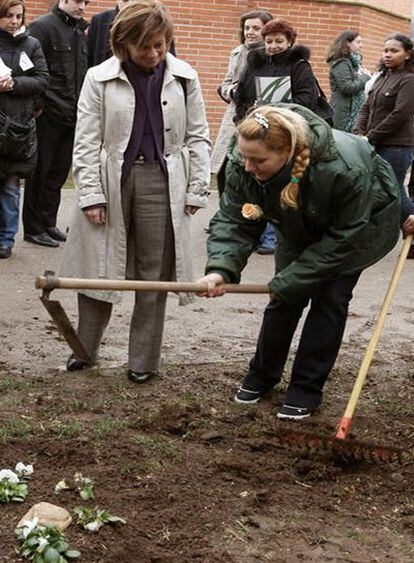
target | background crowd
x=41, y=92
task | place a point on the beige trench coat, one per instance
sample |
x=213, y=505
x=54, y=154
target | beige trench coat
x=237, y=63
x=105, y=118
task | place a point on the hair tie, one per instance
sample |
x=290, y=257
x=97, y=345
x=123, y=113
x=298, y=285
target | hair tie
x=294, y=180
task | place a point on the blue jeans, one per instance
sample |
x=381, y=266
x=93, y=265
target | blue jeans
x=268, y=238
x=9, y=210
x=400, y=159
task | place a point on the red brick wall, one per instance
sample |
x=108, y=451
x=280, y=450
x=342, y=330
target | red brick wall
x=206, y=31
x=401, y=7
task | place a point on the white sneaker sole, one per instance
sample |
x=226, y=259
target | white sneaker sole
x=251, y=401
x=241, y=402
x=292, y=417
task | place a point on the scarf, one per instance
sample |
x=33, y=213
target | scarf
x=358, y=98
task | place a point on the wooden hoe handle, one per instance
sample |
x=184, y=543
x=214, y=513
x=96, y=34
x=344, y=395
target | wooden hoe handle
x=50, y=282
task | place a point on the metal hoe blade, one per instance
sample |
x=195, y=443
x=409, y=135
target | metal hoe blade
x=64, y=326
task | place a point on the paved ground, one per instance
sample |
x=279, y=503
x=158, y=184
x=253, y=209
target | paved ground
x=207, y=331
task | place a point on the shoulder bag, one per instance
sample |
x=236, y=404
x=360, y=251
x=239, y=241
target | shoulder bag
x=17, y=140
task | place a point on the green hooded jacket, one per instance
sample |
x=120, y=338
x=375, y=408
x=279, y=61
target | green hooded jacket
x=348, y=217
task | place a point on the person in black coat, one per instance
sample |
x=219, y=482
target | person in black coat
x=278, y=58
x=23, y=77
x=99, y=48
x=61, y=33
x=98, y=34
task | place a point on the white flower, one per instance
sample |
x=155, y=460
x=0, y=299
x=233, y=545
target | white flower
x=24, y=470
x=93, y=526
x=9, y=475
x=61, y=486
x=43, y=542
x=27, y=527
x=78, y=477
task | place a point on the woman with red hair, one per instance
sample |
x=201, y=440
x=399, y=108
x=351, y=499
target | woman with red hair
x=277, y=72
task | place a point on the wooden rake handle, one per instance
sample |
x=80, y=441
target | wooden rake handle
x=346, y=421
x=50, y=282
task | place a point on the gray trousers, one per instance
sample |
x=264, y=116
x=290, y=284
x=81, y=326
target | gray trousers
x=151, y=256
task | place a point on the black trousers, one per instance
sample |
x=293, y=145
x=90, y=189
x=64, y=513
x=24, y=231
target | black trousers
x=221, y=177
x=319, y=343
x=411, y=182
x=42, y=189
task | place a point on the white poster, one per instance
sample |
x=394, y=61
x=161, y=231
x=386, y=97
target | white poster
x=273, y=89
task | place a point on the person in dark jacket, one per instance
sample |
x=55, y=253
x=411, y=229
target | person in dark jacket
x=387, y=117
x=23, y=77
x=335, y=204
x=279, y=58
x=347, y=78
x=99, y=48
x=61, y=33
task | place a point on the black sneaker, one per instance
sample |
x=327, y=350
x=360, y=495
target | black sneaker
x=289, y=412
x=249, y=396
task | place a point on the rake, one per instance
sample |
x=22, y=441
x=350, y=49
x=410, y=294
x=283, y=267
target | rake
x=340, y=445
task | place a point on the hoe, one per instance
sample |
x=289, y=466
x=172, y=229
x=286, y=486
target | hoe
x=338, y=446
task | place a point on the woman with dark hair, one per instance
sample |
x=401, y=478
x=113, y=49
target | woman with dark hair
x=23, y=76
x=279, y=61
x=141, y=164
x=336, y=207
x=347, y=79
x=278, y=72
x=251, y=25
x=387, y=117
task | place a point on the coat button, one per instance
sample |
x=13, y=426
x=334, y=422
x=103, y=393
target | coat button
x=168, y=129
x=164, y=103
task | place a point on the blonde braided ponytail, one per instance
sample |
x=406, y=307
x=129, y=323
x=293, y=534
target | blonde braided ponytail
x=290, y=193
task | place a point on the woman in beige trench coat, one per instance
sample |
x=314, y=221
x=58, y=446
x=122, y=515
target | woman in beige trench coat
x=136, y=226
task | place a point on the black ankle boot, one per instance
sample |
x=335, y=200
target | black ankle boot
x=75, y=364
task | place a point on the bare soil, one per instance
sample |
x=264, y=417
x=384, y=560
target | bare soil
x=197, y=477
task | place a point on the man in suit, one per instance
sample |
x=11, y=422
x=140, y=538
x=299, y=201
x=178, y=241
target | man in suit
x=98, y=34
x=61, y=33
x=99, y=48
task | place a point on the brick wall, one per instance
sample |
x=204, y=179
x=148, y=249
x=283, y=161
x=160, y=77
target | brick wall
x=206, y=31
x=401, y=7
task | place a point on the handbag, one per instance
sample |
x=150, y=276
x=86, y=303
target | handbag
x=17, y=140
x=323, y=107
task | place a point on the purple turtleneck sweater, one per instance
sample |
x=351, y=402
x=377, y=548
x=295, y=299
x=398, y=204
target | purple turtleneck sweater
x=147, y=136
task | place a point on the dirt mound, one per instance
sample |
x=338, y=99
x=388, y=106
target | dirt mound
x=199, y=478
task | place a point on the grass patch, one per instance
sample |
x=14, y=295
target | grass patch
x=12, y=384
x=159, y=446
x=107, y=426
x=71, y=429
x=15, y=428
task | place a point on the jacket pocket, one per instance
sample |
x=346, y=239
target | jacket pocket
x=388, y=98
x=61, y=53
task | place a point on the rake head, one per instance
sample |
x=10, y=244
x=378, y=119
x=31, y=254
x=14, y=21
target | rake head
x=349, y=450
